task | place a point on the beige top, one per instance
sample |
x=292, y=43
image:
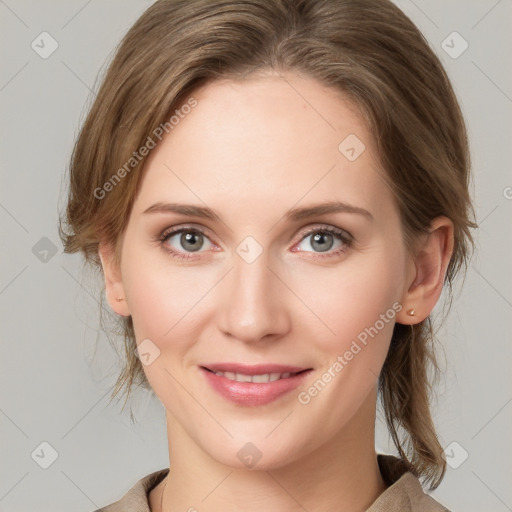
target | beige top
x=404, y=492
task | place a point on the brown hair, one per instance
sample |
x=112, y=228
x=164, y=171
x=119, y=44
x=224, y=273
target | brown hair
x=366, y=49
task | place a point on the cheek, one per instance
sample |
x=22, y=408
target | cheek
x=356, y=300
x=166, y=299
x=164, y=306
x=359, y=305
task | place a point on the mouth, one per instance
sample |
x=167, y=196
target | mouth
x=253, y=385
x=258, y=378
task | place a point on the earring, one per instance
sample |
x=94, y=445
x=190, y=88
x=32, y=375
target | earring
x=119, y=299
x=411, y=312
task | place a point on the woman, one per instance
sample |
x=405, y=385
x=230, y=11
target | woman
x=276, y=192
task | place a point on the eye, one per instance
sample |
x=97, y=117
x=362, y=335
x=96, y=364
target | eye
x=322, y=240
x=179, y=242
x=182, y=242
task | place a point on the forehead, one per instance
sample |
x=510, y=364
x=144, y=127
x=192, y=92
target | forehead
x=269, y=141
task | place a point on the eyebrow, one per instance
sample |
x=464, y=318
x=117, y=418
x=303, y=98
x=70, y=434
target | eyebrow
x=294, y=214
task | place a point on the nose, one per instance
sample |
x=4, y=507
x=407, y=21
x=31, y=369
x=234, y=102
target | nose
x=253, y=301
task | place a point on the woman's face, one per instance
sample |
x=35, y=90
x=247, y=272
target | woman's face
x=251, y=279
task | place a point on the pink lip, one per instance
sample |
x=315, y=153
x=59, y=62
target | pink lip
x=252, y=394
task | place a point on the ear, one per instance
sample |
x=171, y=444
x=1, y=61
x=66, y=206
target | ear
x=426, y=279
x=114, y=289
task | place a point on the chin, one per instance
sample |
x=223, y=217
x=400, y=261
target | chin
x=256, y=455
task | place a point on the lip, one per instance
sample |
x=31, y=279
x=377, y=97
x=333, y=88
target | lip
x=252, y=394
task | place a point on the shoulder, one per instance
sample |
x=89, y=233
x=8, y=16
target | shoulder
x=404, y=491
x=136, y=499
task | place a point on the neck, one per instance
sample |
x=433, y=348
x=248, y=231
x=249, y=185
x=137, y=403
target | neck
x=340, y=475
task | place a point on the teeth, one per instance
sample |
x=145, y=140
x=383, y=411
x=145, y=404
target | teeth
x=265, y=377
x=261, y=378
x=240, y=377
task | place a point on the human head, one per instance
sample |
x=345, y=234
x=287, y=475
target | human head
x=372, y=54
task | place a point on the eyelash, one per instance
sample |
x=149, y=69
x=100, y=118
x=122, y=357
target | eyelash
x=340, y=234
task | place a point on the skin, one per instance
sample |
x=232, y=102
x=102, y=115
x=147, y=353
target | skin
x=252, y=150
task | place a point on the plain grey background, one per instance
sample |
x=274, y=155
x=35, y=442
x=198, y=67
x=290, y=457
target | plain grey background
x=52, y=389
